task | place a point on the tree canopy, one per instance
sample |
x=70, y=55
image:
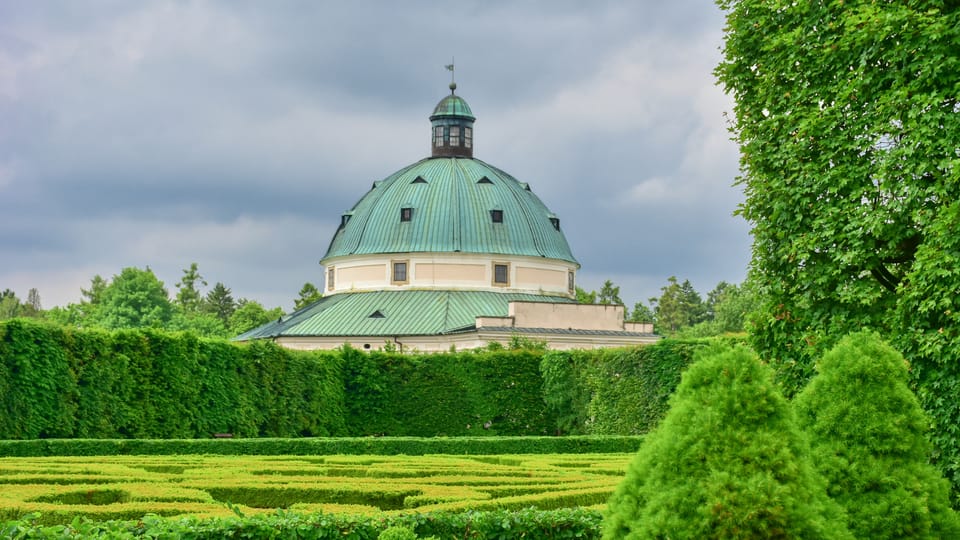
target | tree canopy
x=848, y=119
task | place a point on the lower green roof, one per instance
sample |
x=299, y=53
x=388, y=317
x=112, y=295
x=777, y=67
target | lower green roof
x=394, y=313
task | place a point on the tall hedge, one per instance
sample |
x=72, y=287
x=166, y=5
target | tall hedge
x=444, y=394
x=617, y=391
x=89, y=383
x=57, y=382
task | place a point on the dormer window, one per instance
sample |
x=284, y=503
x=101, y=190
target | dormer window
x=468, y=137
x=555, y=222
x=406, y=214
x=484, y=180
x=496, y=216
x=419, y=180
x=438, y=136
x=454, y=135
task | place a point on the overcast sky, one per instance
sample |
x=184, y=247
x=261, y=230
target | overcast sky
x=233, y=134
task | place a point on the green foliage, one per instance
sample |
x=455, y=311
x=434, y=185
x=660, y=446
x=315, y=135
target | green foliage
x=584, y=297
x=609, y=294
x=131, y=383
x=320, y=446
x=189, y=298
x=641, y=313
x=615, y=391
x=928, y=333
x=61, y=382
x=219, y=302
x=493, y=392
x=38, y=389
x=134, y=299
x=565, y=391
x=249, y=315
x=868, y=436
x=678, y=306
x=11, y=306
x=397, y=532
x=308, y=295
x=846, y=115
x=728, y=461
x=500, y=524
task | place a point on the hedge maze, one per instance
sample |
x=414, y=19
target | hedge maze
x=128, y=487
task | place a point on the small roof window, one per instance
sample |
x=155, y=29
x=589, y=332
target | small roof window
x=406, y=214
x=555, y=222
x=376, y=315
x=496, y=216
x=419, y=180
x=484, y=180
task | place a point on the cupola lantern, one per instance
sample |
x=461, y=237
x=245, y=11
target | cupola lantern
x=451, y=126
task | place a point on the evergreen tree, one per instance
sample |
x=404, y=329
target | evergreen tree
x=95, y=292
x=869, y=442
x=679, y=306
x=308, y=295
x=188, y=295
x=727, y=461
x=220, y=302
x=609, y=294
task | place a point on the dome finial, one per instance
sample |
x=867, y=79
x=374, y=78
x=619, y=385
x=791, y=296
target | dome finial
x=453, y=82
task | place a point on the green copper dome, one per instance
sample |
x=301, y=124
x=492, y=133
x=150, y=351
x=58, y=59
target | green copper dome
x=452, y=105
x=450, y=204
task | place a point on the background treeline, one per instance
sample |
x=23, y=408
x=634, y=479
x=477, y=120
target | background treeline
x=57, y=382
x=136, y=298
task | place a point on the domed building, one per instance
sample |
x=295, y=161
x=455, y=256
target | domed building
x=450, y=252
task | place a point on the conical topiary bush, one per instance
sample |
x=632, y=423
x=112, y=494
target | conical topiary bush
x=867, y=433
x=727, y=461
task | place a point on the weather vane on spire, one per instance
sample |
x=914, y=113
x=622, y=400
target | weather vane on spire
x=453, y=82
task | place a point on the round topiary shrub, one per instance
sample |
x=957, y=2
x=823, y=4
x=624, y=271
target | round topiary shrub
x=727, y=461
x=867, y=431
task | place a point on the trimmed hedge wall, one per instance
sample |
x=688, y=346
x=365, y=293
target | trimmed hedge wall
x=63, y=383
x=616, y=391
x=500, y=524
x=313, y=446
x=57, y=382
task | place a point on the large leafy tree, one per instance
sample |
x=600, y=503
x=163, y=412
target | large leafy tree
x=134, y=298
x=249, y=315
x=848, y=120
